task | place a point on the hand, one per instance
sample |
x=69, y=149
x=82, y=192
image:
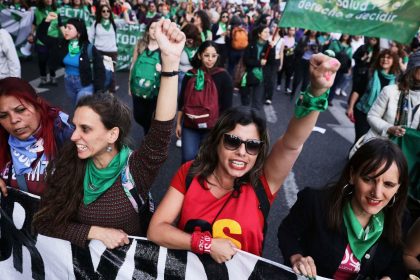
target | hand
x=51, y=16
x=350, y=114
x=30, y=39
x=398, y=130
x=263, y=62
x=171, y=40
x=222, y=250
x=129, y=89
x=178, y=131
x=3, y=187
x=322, y=70
x=111, y=237
x=303, y=265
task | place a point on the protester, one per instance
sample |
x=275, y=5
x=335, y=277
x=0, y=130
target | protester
x=384, y=72
x=237, y=37
x=103, y=35
x=252, y=86
x=122, y=9
x=288, y=64
x=145, y=77
x=273, y=65
x=398, y=49
x=202, y=21
x=304, y=50
x=412, y=249
x=354, y=228
x=221, y=197
x=100, y=171
x=205, y=63
x=72, y=52
x=219, y=32
x=31, y=132
x=44, y=54
x=9, y=60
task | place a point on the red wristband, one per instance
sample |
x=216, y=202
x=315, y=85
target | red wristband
x=201, y=242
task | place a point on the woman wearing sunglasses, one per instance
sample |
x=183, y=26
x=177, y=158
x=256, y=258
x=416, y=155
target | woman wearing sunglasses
x=220, y=31
x=103, y=34
x=218, y=209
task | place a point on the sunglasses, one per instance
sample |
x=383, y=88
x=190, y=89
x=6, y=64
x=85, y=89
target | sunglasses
x=225, y=16
x=233, y=142
x=106, y=11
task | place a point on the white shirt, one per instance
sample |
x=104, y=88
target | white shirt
x=9, y=61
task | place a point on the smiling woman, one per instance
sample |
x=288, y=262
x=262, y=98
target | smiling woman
x=31, y=132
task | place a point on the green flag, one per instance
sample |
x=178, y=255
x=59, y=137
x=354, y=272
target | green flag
x=127, y=36
x=398, y=20
x=410, y=145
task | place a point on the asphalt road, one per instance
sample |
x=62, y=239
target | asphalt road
x=321, y=161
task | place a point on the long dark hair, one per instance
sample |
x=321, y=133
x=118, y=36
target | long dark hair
x=374, y=157
x=23, y=91
x=205, y=20
x=59, y=205
x=207, y=159
x=99, y=16
x=257, y=31
x=196, y=61
x=80, y=26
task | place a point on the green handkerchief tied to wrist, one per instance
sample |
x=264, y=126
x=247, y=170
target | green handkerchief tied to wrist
x=306, y=103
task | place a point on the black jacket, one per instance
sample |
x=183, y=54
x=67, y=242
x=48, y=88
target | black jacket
x=58, y=49
x=252, y=60
x=304, y=231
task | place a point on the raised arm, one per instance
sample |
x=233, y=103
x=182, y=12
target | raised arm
x=287, y=148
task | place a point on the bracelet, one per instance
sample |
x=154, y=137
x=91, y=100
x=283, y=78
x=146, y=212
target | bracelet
x=169, y=74
x=307, y=103
x=201, y=242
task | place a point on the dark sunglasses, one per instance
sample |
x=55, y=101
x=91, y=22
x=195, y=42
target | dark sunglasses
x=232, y=142
x=225, y=16
x=106, y=11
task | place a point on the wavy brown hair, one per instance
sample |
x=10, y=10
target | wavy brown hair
x=374, y=157
x=207, y=159
x=65, y=174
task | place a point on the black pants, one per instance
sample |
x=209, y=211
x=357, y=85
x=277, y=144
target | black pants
x=253, y=96
x=288, y=69
x=269, y=78
x=223, y=53
x=301, y=75
x=361, y=125
x=143, y=111
x=44, y=61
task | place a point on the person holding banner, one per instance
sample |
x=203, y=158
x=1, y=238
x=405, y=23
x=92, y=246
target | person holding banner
x=31, y=133
x=221, y=190
x=353, y=229
x=106, y=194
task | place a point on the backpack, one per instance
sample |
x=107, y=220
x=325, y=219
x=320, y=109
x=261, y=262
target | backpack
x=239, y=38
x=108, y=66
x=259, y=191
x=201, y=107
x=145, y=77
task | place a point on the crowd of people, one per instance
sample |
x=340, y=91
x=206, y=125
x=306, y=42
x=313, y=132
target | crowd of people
x=182, y=78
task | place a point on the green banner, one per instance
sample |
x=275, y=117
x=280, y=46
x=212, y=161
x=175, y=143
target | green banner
x=398, y=20
x=127, y=36
x=410, y=145
x=68, y=12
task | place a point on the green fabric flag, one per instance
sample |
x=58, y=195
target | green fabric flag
x=392, y=19
x=410, y=145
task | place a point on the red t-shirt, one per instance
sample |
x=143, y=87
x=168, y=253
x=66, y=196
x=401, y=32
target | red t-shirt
x=349, y=266
x=241, y=220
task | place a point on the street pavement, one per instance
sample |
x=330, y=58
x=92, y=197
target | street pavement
x=321, y=161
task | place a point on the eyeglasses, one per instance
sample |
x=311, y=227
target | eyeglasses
x=225, y=16
x=233, y=142
x=105, y=11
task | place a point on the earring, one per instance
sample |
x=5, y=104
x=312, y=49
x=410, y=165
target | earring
x=393, y=201
x=344, y=189
x=109, y=149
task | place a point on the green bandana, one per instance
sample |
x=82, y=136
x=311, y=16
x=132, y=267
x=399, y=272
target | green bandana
x=106, y=24
x=190, y=52
x=150, y=14
x=97, y=181
x=74, y=47
x=361, y=240
x=222, y=26
x=258, y=73
x=204, y=36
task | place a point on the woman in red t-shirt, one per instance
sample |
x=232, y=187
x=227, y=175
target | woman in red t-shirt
x=219, y=210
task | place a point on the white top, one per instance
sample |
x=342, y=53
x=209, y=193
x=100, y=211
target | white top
x=9, y=61
x=221, y=40
x=103, y=40
x=184, y=63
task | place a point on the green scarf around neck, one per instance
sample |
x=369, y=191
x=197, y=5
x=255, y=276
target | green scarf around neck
x=97, y=181
x=150, y=14
x=106, y=24
x=374, y=88
x=223, y=26
x=361, y=240
x=190, y=52
x=74, y=47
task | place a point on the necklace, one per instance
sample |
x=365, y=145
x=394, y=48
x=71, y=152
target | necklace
x=220, y=185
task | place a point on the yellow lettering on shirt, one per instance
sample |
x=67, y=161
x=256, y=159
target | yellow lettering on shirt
x=233, y=226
